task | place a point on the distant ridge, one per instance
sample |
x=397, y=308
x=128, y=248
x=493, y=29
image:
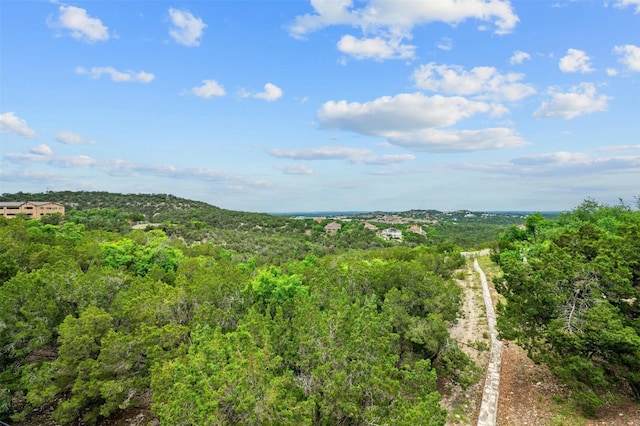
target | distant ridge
x=155, y=207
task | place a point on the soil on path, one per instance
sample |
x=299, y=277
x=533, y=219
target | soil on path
x=529, y=393
x=472, y=334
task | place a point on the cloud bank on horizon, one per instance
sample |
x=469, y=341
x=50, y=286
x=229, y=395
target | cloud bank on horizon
x=327, y=104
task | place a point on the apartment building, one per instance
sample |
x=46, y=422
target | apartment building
x=33, y=209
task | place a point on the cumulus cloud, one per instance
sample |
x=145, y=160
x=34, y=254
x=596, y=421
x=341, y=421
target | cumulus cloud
x=387, y=14
x=483, y=82
x=80, y=25
x=41, y=149
x=295, y=169
x=582, y=99
x=187, y=29
x=629, y=56
x=406, y=110
x=377, y=48
x=116, y=76
x=10, y=123
x=384, y=25
x=271, y=93
x=412, y=121
x=625, y=3
x=69, y=138
x=519, y=57
x=209, y=89
x=575, y=61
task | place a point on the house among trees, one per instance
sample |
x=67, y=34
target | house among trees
x=32, y=209
x=332, y=228
x=391, y=233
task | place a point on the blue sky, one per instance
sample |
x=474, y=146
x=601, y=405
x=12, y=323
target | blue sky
x=294, y=105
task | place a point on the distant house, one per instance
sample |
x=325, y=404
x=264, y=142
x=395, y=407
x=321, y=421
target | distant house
x=370, y=227
x=417, y=229
x=332, y=228
x=33, y=209
x=391, y=233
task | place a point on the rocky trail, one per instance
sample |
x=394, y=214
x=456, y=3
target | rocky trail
x=514, y=390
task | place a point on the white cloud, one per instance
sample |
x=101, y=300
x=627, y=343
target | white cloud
x=271, y=93
x=321, y=153
x=377, y=48
x=618, y=148
x=375, y=14
x=295, y=169
x=411, y=121
x=116, y=76
x=82, y=26
x=352, y=155
x=58, y=161
x=10, y=123
x=611, y=72
x=437, y=140
x=41, y=149
x=582, y=99
x=27, y=176
x=384, y=160
x=209, y=89
x=187, y=29
x=561, y=164
x=69, y=138
x=406, y=110
x=483, y=82
x=560, y=157
x=575, y=61
x=624, y=3
x=385, y=24
x=629, y=56
x=519, y=57
x=118, y=167
x=445, y=43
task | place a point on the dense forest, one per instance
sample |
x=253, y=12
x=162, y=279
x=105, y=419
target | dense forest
x=209, y=316
x=571, y=290
x=97, y=317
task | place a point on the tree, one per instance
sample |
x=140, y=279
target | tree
x=571, y=298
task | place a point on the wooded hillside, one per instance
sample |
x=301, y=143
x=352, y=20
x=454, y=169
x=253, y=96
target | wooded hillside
x=96, y=318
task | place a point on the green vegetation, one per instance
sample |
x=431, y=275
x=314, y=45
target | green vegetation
x=270, y=239
x=222, y=317
x=572, y=290
x=95, y=317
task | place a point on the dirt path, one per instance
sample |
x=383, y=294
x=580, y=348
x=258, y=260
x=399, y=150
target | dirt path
x=472, y=333
x=489, y=406
x=529, y=394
